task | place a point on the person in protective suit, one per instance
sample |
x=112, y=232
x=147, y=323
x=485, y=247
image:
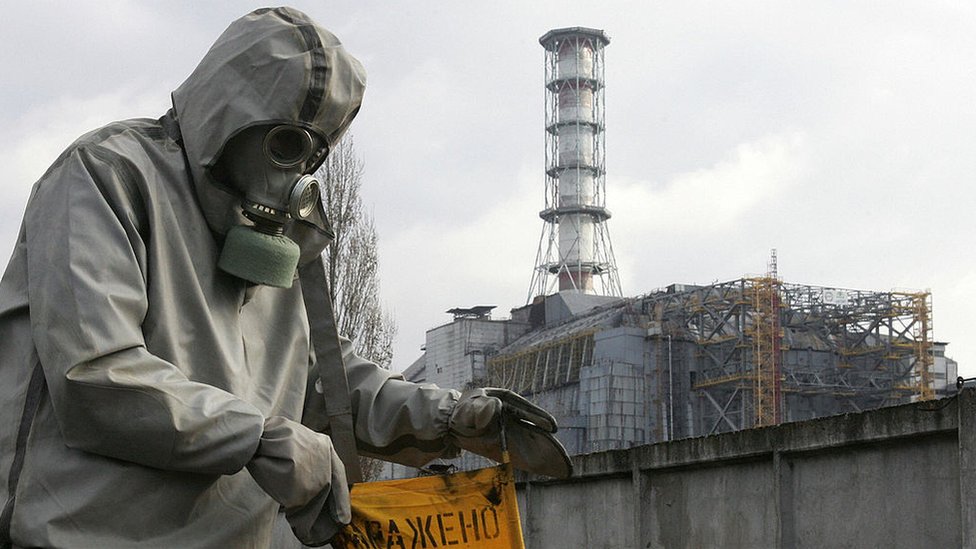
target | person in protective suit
x=157, y=379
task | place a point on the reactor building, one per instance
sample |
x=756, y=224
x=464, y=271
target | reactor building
x=694, y=360
x=681, y=361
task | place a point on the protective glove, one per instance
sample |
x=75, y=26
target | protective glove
x=475, y=425
x=300, y=469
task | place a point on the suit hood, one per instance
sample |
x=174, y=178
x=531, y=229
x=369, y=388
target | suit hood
x=272, y=66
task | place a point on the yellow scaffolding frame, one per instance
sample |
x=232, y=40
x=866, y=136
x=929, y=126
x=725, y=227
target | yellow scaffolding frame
x=922, y=332
x=767, y=343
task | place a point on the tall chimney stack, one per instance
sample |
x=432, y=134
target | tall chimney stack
x=575, y=247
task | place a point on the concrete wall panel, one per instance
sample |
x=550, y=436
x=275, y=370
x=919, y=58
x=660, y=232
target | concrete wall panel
x=728, y=506
x=897, y=495
x=597, y=515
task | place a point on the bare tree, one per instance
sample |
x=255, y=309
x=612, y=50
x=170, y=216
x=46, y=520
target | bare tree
x=352, y=264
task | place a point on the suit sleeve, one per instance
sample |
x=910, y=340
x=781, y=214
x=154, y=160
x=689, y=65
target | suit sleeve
x=394, y=420
x=397, y=420
x=87, y=284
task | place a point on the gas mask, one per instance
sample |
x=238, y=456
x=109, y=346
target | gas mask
x=268, y=167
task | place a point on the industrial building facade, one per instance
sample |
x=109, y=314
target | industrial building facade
x=690, y=361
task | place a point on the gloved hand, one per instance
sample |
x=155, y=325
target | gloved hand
x=300, y=469
x=475, y=424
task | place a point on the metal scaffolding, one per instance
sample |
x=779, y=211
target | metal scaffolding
x=922, y=334
x=767, y=338
x=751, y=338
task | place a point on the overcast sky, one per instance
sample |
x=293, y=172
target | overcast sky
x=840, y=133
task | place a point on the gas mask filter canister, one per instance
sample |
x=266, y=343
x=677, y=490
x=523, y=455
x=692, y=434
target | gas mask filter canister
x=261, y=253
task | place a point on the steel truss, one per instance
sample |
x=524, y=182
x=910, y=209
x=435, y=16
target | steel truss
x=876, y=347
x=544, y=366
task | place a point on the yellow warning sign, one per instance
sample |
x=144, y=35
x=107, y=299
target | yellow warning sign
x=468, y=509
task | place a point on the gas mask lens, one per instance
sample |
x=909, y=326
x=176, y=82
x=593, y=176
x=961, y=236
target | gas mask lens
x=304, y=197
x=288, y=146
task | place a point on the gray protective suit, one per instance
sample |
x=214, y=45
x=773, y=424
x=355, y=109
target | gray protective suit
x=136, y=377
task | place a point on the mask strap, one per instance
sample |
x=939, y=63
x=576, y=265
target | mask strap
x=331, y=370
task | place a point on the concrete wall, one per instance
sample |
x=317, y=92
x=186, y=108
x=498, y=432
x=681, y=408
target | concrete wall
x=895, y=477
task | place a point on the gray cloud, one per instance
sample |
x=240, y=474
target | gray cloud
x=838, y=132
